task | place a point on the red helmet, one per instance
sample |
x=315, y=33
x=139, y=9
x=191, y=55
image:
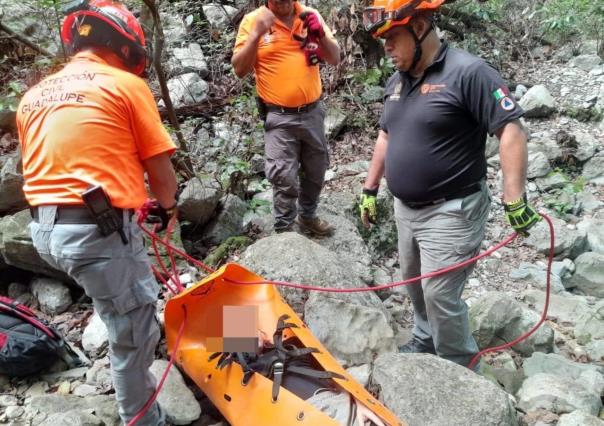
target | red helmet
x=109, y=24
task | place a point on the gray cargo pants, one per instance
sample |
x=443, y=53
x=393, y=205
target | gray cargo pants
x=296, y=160
x=119, y=281
x=431, y=238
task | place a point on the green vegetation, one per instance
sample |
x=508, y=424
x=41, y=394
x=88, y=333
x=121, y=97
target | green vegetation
x=227, y=248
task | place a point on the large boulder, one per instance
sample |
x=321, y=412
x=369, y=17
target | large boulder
x=11, y=183
x=593, y=169
x=537, y=102
x=17, y=248
x=175, y=397
x=354, y=328
x=199, y=199
x=340, y=321
x=424, y=390
x=590, y=326
x=53, y=296
x=187, y=89
x=556, y=394
x=189, y=59
x=565, y=309
x=228, y=222
x=589, y=274
x=102, y=406
x=594, y=229
x=568, y=243
x=592, y=376
x=579, y=418
x=496, y=318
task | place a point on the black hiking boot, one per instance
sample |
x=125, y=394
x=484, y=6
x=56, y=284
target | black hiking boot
x=415, y=346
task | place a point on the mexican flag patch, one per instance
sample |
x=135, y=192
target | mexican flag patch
x=500, y=93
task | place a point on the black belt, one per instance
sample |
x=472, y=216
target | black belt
x=463, y=192
x=291, y=110
x=67, y=214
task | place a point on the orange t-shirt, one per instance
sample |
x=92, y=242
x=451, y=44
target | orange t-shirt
x=282, y=75
x=89, y=124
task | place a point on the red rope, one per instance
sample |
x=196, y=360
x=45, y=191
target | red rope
x=143, y=212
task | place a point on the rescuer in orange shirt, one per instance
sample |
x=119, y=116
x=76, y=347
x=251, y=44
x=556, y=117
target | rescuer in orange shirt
x=88, y=135
x=284, y=42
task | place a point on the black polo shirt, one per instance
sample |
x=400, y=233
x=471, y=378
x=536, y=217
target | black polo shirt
x=437, y=125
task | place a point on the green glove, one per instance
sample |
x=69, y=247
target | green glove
x=368, y=206
x=521, y=215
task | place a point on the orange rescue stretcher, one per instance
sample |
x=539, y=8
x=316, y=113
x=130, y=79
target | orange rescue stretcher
x=249, y=403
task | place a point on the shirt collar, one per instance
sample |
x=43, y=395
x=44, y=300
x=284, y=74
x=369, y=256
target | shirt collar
x=88, y=56
x=438, y=60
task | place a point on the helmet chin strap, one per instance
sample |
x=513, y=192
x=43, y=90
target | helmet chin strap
x=417, y=55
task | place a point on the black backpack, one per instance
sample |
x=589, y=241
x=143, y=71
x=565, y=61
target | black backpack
x=27, y=344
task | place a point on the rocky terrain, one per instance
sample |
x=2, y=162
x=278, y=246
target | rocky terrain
x=556, y=377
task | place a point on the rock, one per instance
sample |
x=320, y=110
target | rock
x=54, y=297
x=175, y=398
x=537, y=276
x=8, y=120
x=594, y=229
x=219, y=16
x=11, y=183
x=579, y=418
x=99, y=374
x=556, y=394
x=102, y=406
x=73, y=418
x=14, y=412
x=68, y=375
x=8, y=400
x=361, y=373
x=588, y=202
x=589, y=274
x=557, y=365
x=187, y=89
x=551, y=181
x=544, y=142
x=228, y=222
x=84, y=390
x=593, y=169
x=568, y=243
x=586, y=62
x=590, y=326
x=537, y=102
x=189, y=59
x=448, y=394
x=354, y=328
x=95, y=337
x=565, y=309
x=199, y=199
x=335, y=120
x=16, y=289
x=520, y=91
x=587, y=146
x=295, y=258
x=595, y=350
x=538, y=165
x=17, y=248
x=497, y=318
x=502, y=371
x=563, y=269
x=492, y=146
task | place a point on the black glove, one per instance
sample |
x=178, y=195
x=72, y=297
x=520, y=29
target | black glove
x=159, y=215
